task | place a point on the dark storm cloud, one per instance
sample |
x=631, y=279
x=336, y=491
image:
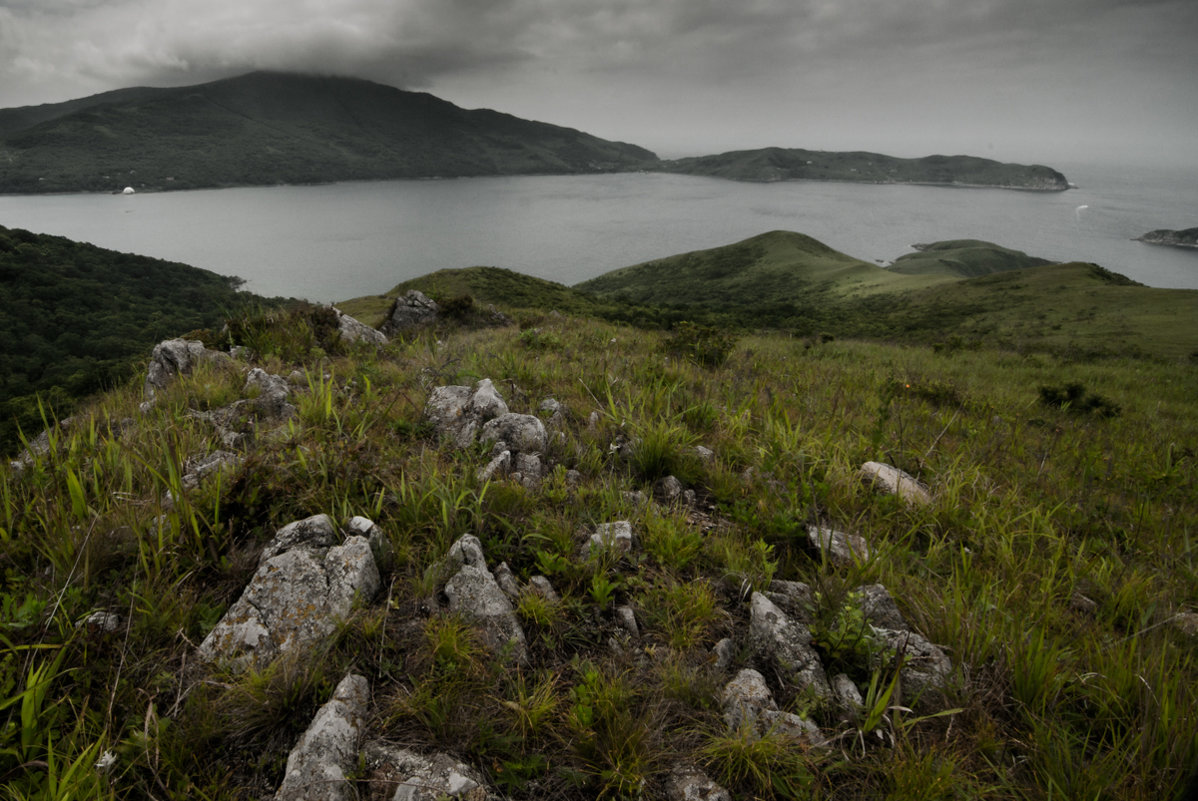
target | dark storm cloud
x=640, y=68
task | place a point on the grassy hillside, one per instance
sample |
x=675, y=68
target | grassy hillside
x=963, y=258
x=267, y=128
x=791, y=282
x=778, y=266
x=1055, y=565
x=74, y=318
x=790, y=164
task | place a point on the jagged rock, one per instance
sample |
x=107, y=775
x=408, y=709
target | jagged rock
x=688, y=783
x=839, y=547
x=627, y=620
x=519, y=432
x=786, y=646
x=926, y=668
x=615, y=537
x=542, y=587
x=725, y=654
x=634, y=498
x=879, y=607
x=302, y=588
x=472, y=591
x=507, y=581
x=353, y=330
x=668, y=489
x=556, y=412
x=748, y=703
x=102, y=622
x=273, y=393
x=893, y=481
x=529, y=470
x=848, y=697
x=412, y=310
x=380, y=543
x=415, y=777
x=328, y=750
x=175, y=357
x=794, y=597
x=459, y=412
x=1186, y=624
x=500, y=466
x=197, y=469
x=705, y=454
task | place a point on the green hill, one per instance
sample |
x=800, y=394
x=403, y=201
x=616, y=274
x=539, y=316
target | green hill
x=1052, y=566
x=791, y=164
x=74, y=318
x=267, y=128
x=963, y=258
x=778, y=266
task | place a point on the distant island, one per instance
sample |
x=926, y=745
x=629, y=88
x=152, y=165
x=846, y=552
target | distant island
x=1185, y=238
x=789, y=164
x=268, y=128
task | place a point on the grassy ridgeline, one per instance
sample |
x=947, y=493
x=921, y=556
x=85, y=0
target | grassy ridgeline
x=1053, y=566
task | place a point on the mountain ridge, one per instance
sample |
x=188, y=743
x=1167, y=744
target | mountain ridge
x=266, y=128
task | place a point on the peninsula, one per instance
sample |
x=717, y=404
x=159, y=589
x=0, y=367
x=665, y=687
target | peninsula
x=269, y=128
x=1185, y=238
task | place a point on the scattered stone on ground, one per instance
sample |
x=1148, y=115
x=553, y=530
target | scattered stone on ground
x=173, y=358
x=412, y=310
x=472, y=591
x=748, y=704
x=840, y=548
x=926, y=669
x=317, y=767
x=353, y=330
x=689, y=783
x=405, y=775
x=615, y=537
x=785, y=646
x=196, y=469
x=303, y=587
x=892, y=481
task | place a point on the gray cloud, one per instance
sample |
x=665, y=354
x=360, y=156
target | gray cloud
x=667, y=73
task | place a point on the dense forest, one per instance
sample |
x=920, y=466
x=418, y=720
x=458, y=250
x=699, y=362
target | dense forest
x=74, y=318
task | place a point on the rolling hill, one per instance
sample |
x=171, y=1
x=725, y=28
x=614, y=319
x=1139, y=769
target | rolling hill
x=267, y=128
x=790, y=164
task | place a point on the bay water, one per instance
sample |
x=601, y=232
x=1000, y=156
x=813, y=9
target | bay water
x=334, y=242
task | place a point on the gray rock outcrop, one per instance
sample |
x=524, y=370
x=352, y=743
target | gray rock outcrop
x=892, y=481
x=614, y=537
x=459, y=412
x=353, y=330
x=747, y=703
x=412, y=310
x=173, y=358
x=688, y=783
x=472, y=591
x=926, y=669
x=785, y=645
x=303, y=586
x=417, y=777
x=328, y=750
x=839, y=547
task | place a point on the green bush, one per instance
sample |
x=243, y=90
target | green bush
x=705, y=345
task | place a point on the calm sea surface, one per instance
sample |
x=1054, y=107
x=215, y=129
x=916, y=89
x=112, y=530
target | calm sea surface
x=334, y=242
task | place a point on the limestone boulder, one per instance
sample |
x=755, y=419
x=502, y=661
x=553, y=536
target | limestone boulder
x=303, y=588
x=892, y=481
x=838, y=547
x=317, y=767
x=472, y=591
x=413, y=309
x=173, y=358
x=406, y=775
x=353, y=330
x=785, y=646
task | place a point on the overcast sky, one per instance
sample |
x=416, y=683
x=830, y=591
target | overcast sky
x=1021, y=80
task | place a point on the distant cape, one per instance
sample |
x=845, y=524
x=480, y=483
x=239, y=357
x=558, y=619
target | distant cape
x=269, y=128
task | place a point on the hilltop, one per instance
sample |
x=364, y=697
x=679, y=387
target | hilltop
x=541, y=555
x=268, y=128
